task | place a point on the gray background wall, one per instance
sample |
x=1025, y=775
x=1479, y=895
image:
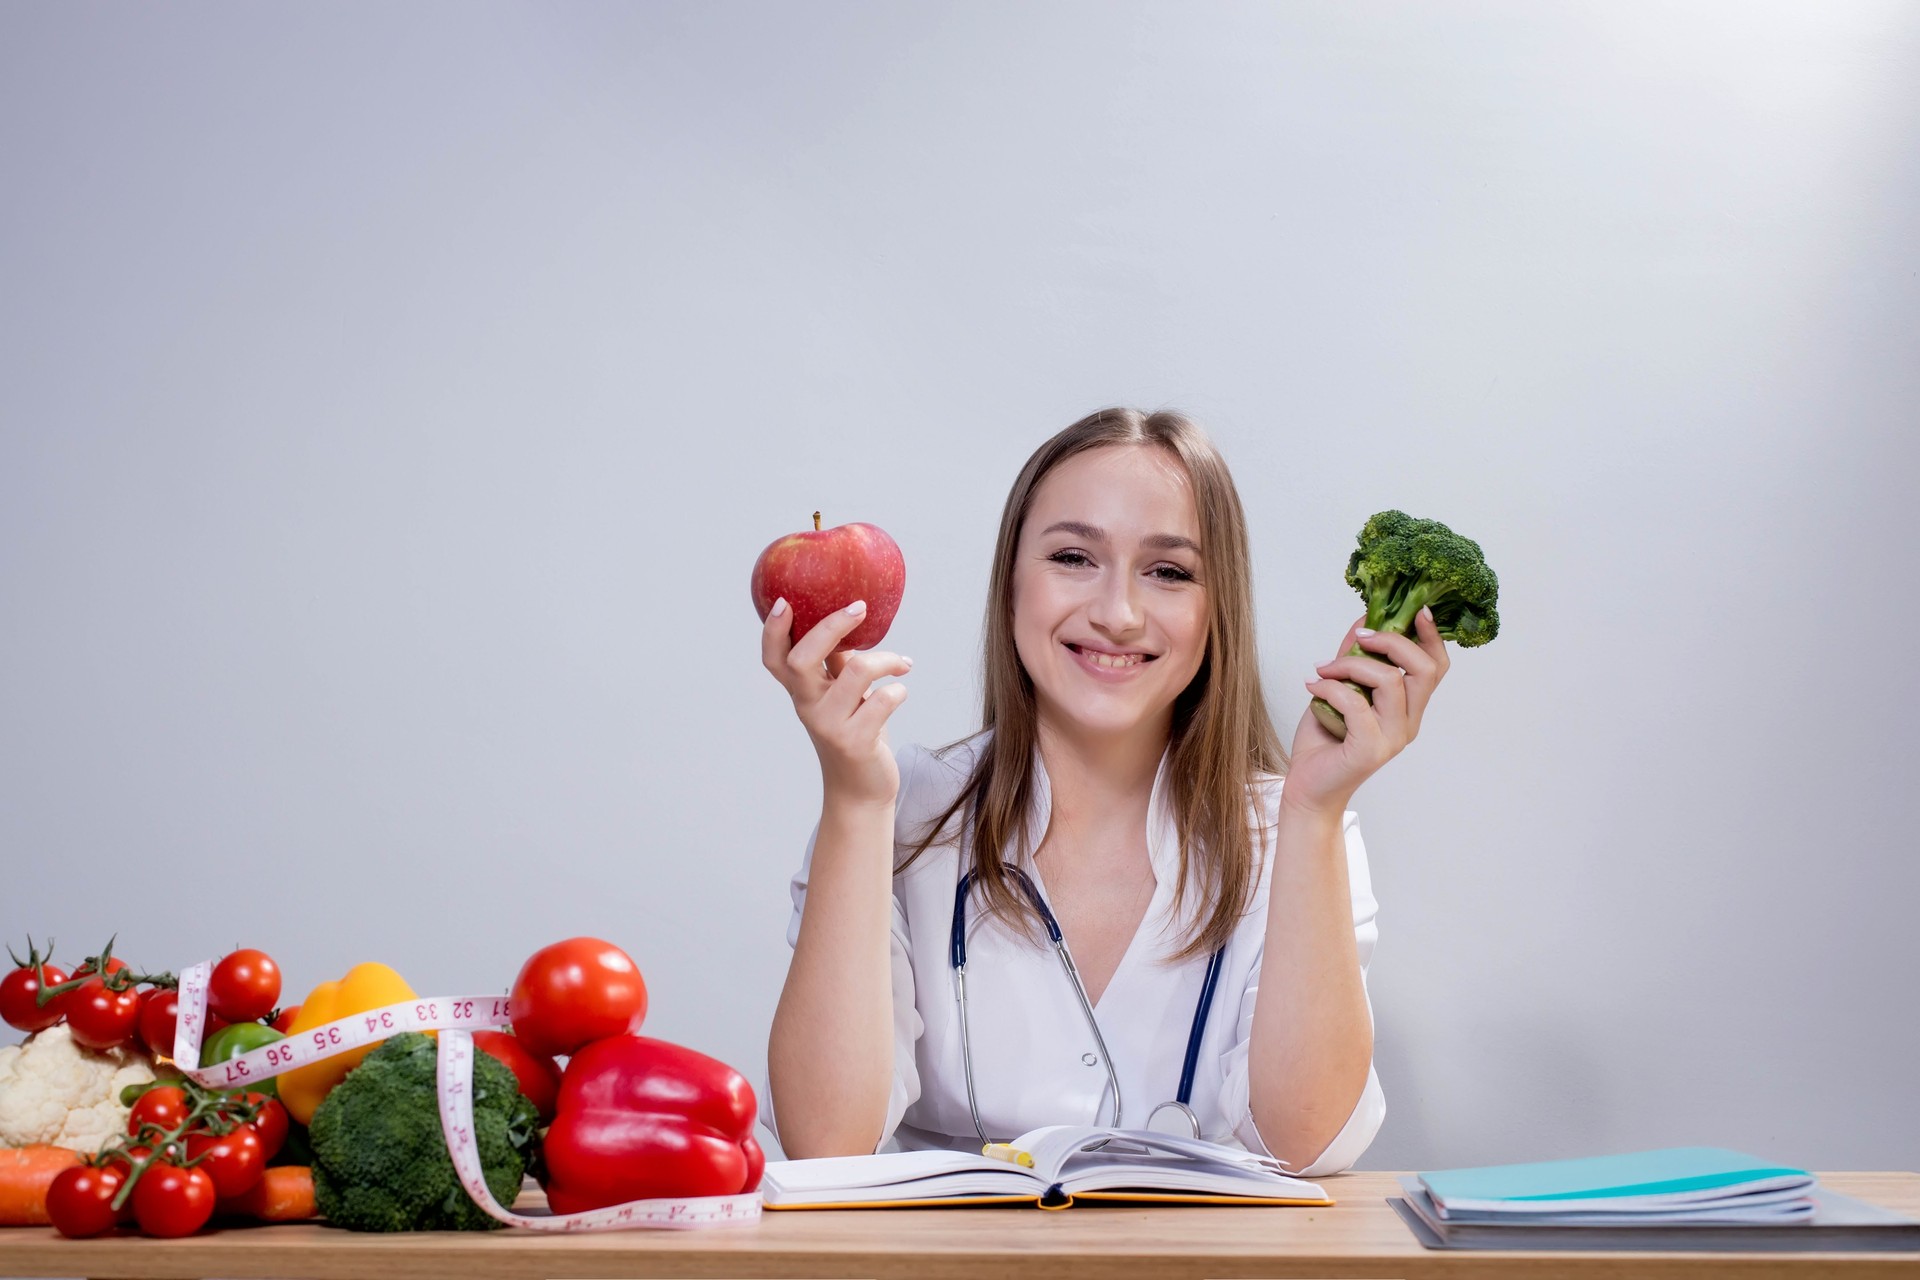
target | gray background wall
x=396, y=398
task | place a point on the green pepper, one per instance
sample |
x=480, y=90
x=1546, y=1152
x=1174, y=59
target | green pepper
x=232, y=1041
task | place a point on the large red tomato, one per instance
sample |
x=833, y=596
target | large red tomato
x=575, y=992
x=245, y=986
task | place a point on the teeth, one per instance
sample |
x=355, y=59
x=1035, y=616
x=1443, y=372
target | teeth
x=1111, y=660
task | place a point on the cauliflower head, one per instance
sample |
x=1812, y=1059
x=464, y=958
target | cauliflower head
x=53, y=1091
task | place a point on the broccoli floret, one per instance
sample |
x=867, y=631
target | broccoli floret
x=1404, y=563
x=380, y=1159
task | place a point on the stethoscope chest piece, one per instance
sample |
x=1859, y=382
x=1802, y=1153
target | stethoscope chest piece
x=1174, y=1117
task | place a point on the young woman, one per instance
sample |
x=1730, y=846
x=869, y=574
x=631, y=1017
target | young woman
x=1210, y=891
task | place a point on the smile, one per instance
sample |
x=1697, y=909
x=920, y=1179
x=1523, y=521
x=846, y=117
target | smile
x=1103, y=661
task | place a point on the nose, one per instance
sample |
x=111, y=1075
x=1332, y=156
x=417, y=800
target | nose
x=1114, y=608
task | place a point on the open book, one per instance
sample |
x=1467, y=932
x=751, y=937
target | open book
x=1051, y=1167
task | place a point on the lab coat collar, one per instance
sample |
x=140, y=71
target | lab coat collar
x=1163, y=845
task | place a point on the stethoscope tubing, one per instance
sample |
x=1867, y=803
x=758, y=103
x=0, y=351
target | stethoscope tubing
x=957, y=958
x=1200, y=1012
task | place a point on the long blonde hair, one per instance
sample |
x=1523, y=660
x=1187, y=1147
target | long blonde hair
x=1222, y=736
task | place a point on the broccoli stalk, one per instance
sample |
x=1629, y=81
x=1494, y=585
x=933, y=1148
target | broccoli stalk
x=380, y=1161
x=1404, y=564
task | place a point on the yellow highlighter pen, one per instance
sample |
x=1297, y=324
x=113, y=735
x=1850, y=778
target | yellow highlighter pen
x=1008, y=1152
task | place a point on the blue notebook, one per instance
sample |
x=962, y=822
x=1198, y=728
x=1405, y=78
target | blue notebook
x=1670, y=1178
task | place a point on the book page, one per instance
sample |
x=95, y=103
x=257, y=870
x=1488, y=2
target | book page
x=894, y=1175
x=1051, y=1147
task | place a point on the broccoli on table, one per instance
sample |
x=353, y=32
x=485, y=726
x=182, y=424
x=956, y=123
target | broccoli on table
x=380, y=1159
x=1404, y=563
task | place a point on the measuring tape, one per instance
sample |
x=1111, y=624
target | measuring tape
x=453, y=1017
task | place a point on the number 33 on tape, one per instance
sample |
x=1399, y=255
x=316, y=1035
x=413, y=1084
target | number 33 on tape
x=453, y=1017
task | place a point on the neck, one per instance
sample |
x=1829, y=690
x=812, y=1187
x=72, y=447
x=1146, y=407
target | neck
x=1098, y=779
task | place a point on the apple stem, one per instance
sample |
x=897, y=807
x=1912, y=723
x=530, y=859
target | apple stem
x=816, y=522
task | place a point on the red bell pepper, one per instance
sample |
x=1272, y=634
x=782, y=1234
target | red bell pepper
x=643, y=1119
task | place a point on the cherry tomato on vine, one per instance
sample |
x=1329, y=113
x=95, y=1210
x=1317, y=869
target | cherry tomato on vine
x=88, y=966
x=163, y=1106
x=80, y=1201
x=245, y=986
x=234, y=1160
x=18, y=1008
x=575, y=992
x=114, y=965
x=159, y=1013
x=270, y=1125
x=99, y=1018
x=123, y=1163
x=171, y=1201
x=284, y=1022
x=160, y=1021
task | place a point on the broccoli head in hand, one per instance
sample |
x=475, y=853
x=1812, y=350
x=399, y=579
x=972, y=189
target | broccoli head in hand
x=1403, y=564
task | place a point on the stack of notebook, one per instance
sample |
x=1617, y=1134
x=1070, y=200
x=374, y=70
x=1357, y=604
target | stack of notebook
x=1676, y=1198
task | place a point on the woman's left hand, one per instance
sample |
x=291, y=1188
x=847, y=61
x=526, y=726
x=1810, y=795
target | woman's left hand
x=1402, y=672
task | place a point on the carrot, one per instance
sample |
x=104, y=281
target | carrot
x=283, y=1194
x=25, y=1175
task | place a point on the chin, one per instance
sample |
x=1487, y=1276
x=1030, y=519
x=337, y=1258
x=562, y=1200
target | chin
x=1102, y=717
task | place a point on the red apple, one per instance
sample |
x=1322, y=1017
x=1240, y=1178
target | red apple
x=820, y=570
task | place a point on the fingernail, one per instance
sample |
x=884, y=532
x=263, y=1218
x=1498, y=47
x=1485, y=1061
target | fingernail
x=1426, y=613
x=906, y=661
x=857, y=608
x=779, y=607
x=1363, y=632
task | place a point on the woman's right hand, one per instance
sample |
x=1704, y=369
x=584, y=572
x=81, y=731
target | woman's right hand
x=833, y=695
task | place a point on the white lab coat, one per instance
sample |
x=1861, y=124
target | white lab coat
x=1031, y=1043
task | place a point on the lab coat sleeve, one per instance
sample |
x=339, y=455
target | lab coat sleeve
x=1368, y=1113
x=907, y=1025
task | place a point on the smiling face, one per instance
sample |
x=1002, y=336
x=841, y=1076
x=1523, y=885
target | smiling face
x=1110, y=606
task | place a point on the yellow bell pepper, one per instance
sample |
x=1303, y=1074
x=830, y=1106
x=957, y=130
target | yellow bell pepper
x=366, y=986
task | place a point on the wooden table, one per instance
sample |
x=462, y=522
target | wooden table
x=1360, y=1237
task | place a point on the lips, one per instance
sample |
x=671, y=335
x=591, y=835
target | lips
x=1107, y=661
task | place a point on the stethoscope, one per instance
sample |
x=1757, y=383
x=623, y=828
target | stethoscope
x=1182, y=1099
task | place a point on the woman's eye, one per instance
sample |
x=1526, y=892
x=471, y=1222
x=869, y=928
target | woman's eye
x=1171, y=573
x=1073, y=558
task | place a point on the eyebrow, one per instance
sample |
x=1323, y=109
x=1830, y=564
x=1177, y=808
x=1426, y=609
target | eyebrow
x=1092, y=533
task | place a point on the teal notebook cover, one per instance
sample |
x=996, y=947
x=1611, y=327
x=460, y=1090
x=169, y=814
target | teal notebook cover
x=1637, y=1173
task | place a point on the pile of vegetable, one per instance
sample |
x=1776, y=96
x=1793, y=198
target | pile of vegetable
x=355, y=1137
x=1404, y=564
